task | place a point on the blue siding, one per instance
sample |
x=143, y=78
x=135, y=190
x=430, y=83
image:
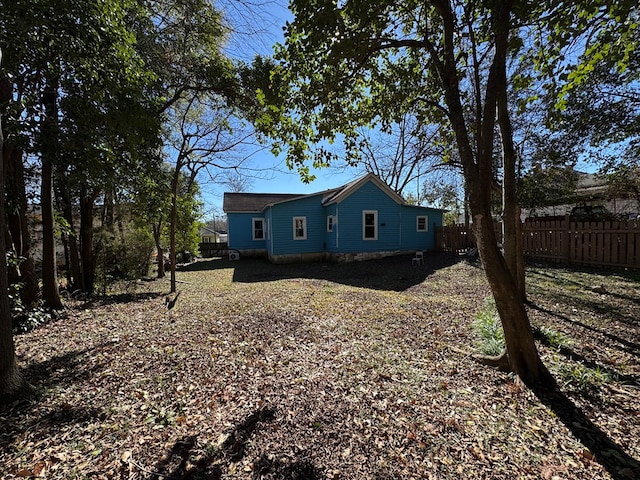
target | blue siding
x=396, y=225
x=331, y=238
x=268, y=236
x=240, y=230
x=349, y=231
x=411, y=238
x=282, y=215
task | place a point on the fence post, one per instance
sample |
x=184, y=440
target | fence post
x=566, y=244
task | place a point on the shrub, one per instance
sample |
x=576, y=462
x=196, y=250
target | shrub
x=126, y=256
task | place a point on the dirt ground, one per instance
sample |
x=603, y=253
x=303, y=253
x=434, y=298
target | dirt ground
x=328, y=371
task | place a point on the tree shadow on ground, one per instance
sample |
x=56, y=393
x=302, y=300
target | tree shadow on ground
x=619, y=464
x=572, y=354
x=186, y=459
x=65, y=369
x=625, y=345
x=396, y=273
x=60, y=370
x=629, y=276
x=299, y=469
x=18, y=417
x=127, y=297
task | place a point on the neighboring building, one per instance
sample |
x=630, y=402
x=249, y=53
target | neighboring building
x=209, y=235
x=591, y=191
x=363, y=219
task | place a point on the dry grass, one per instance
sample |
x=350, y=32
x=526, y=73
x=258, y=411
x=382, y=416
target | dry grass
x=323, y=372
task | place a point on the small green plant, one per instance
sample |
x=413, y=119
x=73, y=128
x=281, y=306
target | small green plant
x=161, y=417
x=579, y=377
x=488, y=329
x=556, y=340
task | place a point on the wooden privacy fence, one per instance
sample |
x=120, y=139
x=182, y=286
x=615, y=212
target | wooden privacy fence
x=458, y=238
x=598, y=244
x=208, y=250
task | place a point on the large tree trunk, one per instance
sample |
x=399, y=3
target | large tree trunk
x=50, y=293
x=11, y=382
x=521, y=355
x=511, y=227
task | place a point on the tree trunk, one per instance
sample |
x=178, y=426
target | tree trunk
x=157, y=238
x=87, y=253
x=11, y=382
x=72, y=239
x=521, y=353
x=172, y=224
x=17, y=222
x=511, y=226
x=50, y=292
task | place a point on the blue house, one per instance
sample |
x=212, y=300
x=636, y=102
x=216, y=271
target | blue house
x=360, y=220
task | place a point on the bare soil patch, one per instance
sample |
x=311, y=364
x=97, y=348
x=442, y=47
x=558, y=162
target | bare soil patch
x=325, y=372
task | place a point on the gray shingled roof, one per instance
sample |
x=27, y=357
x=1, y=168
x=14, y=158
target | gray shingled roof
x=256, y=202
x=253, y=202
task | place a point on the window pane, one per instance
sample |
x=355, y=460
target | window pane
x=370, y=227
x=299, y=227
x=258, y=229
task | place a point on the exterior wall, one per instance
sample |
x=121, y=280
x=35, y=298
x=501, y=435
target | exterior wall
x=411, y=238
x=240, y=234
x=331, y=238
x=349, y=226
x=396, y=228
x=281, y=224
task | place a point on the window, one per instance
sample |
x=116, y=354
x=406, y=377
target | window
x=422, y=224
x=299, y=228
x=330, y=222
x=258, y=229
x=370, y=225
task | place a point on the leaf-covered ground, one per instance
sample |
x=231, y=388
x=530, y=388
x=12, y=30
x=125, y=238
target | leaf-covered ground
x=327, y=372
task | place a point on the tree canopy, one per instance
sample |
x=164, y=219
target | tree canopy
x=364, y=64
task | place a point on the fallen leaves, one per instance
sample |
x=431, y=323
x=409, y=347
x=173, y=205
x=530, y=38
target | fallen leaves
x=363, y=378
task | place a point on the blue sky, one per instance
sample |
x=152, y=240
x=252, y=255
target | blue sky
x=258, y=26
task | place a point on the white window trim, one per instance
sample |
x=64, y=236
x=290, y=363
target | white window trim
x=331, y=223
x=426, y=223
x=375, y=224
x=304, y=226
x=253, y=228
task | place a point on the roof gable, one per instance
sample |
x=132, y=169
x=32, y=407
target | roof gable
x=257, y=202
x=340, y=194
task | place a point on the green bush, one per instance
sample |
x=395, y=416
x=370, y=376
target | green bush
x=126, y=256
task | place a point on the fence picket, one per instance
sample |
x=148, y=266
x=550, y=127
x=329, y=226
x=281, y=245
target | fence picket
x=605, y=244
